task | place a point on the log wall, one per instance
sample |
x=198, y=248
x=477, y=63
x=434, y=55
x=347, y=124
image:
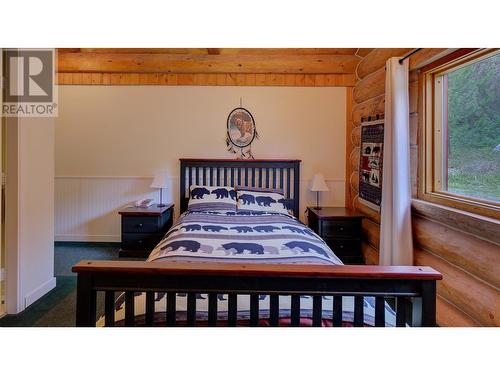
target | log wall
x=468, y=257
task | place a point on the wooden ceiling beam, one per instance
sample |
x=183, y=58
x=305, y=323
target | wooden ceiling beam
x=213, y=51
x=192, y=51
x=221, y=51
x=287, y=51
x=192, y=63
x=67, y=50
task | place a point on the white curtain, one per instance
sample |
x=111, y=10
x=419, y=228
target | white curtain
x=396, y=247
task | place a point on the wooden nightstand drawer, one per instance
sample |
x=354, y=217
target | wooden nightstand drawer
x=335, y=228
x=340, y=228
x=345, y=247
x=133, y=241
x=143, y=228
x=141, y=224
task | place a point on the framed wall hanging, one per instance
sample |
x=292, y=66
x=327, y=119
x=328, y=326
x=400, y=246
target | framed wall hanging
x=371, y=161
x=240, y=133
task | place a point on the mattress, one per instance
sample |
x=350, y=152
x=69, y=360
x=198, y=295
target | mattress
x=239, y=237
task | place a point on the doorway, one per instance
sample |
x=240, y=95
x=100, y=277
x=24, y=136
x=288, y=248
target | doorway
x=3, y=298
x=3, y=308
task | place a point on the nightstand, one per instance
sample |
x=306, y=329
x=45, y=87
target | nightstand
x=143, y=228
x=340, y=228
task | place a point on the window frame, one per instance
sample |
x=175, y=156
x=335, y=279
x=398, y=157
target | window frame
x=431, y=161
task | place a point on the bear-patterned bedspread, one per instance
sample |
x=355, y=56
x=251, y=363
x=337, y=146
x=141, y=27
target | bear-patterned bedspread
x=261, y=237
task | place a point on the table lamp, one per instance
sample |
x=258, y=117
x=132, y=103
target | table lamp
x=160, y=182
x=318, y=185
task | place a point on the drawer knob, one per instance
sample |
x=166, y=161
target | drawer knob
x=341, y=246
x=341, y=229
x=140, y=241
x=139, y=225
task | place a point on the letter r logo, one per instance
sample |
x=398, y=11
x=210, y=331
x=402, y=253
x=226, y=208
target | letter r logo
x=30, y=76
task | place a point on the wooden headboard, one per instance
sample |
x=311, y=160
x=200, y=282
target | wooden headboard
x=270, y=173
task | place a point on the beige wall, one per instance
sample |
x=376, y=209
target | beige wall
x=29, y=210
x=134, y=131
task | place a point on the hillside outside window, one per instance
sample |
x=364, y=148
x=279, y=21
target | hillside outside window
x=462, y=131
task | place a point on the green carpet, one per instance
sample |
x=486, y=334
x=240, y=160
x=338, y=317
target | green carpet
x=66, y=254
x=57, y=308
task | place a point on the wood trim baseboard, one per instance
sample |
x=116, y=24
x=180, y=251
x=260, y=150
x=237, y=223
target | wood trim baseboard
x=39, y=292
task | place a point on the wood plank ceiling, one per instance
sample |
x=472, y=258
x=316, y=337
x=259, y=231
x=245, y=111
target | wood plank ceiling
x=208, y=66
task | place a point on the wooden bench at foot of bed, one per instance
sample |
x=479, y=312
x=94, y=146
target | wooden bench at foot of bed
x=416, y=284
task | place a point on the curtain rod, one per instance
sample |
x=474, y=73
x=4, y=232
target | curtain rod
x=408, y=55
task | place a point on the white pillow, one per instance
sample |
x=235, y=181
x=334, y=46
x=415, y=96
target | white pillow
x=211, y=198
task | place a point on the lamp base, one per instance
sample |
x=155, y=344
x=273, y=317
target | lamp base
x=161, y=199
x=317, y=201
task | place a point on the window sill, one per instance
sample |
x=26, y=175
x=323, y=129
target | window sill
x=481, y=226
x=466, y=204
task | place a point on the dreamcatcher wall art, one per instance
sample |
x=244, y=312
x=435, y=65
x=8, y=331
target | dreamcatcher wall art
x=241, y=132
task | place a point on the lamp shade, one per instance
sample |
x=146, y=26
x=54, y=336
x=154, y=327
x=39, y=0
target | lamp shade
x=160, y=181
x=318, y=183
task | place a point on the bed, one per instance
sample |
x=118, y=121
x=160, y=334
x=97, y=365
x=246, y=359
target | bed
x=226, y=268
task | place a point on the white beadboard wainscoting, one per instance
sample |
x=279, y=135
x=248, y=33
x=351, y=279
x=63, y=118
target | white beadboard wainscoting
x=86, y=207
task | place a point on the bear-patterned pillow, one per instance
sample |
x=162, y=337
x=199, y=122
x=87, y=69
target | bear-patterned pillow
x=211, y=198
x=251, y=200
x=260, y=189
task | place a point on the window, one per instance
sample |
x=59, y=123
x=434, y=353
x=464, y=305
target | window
x=462, y=131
